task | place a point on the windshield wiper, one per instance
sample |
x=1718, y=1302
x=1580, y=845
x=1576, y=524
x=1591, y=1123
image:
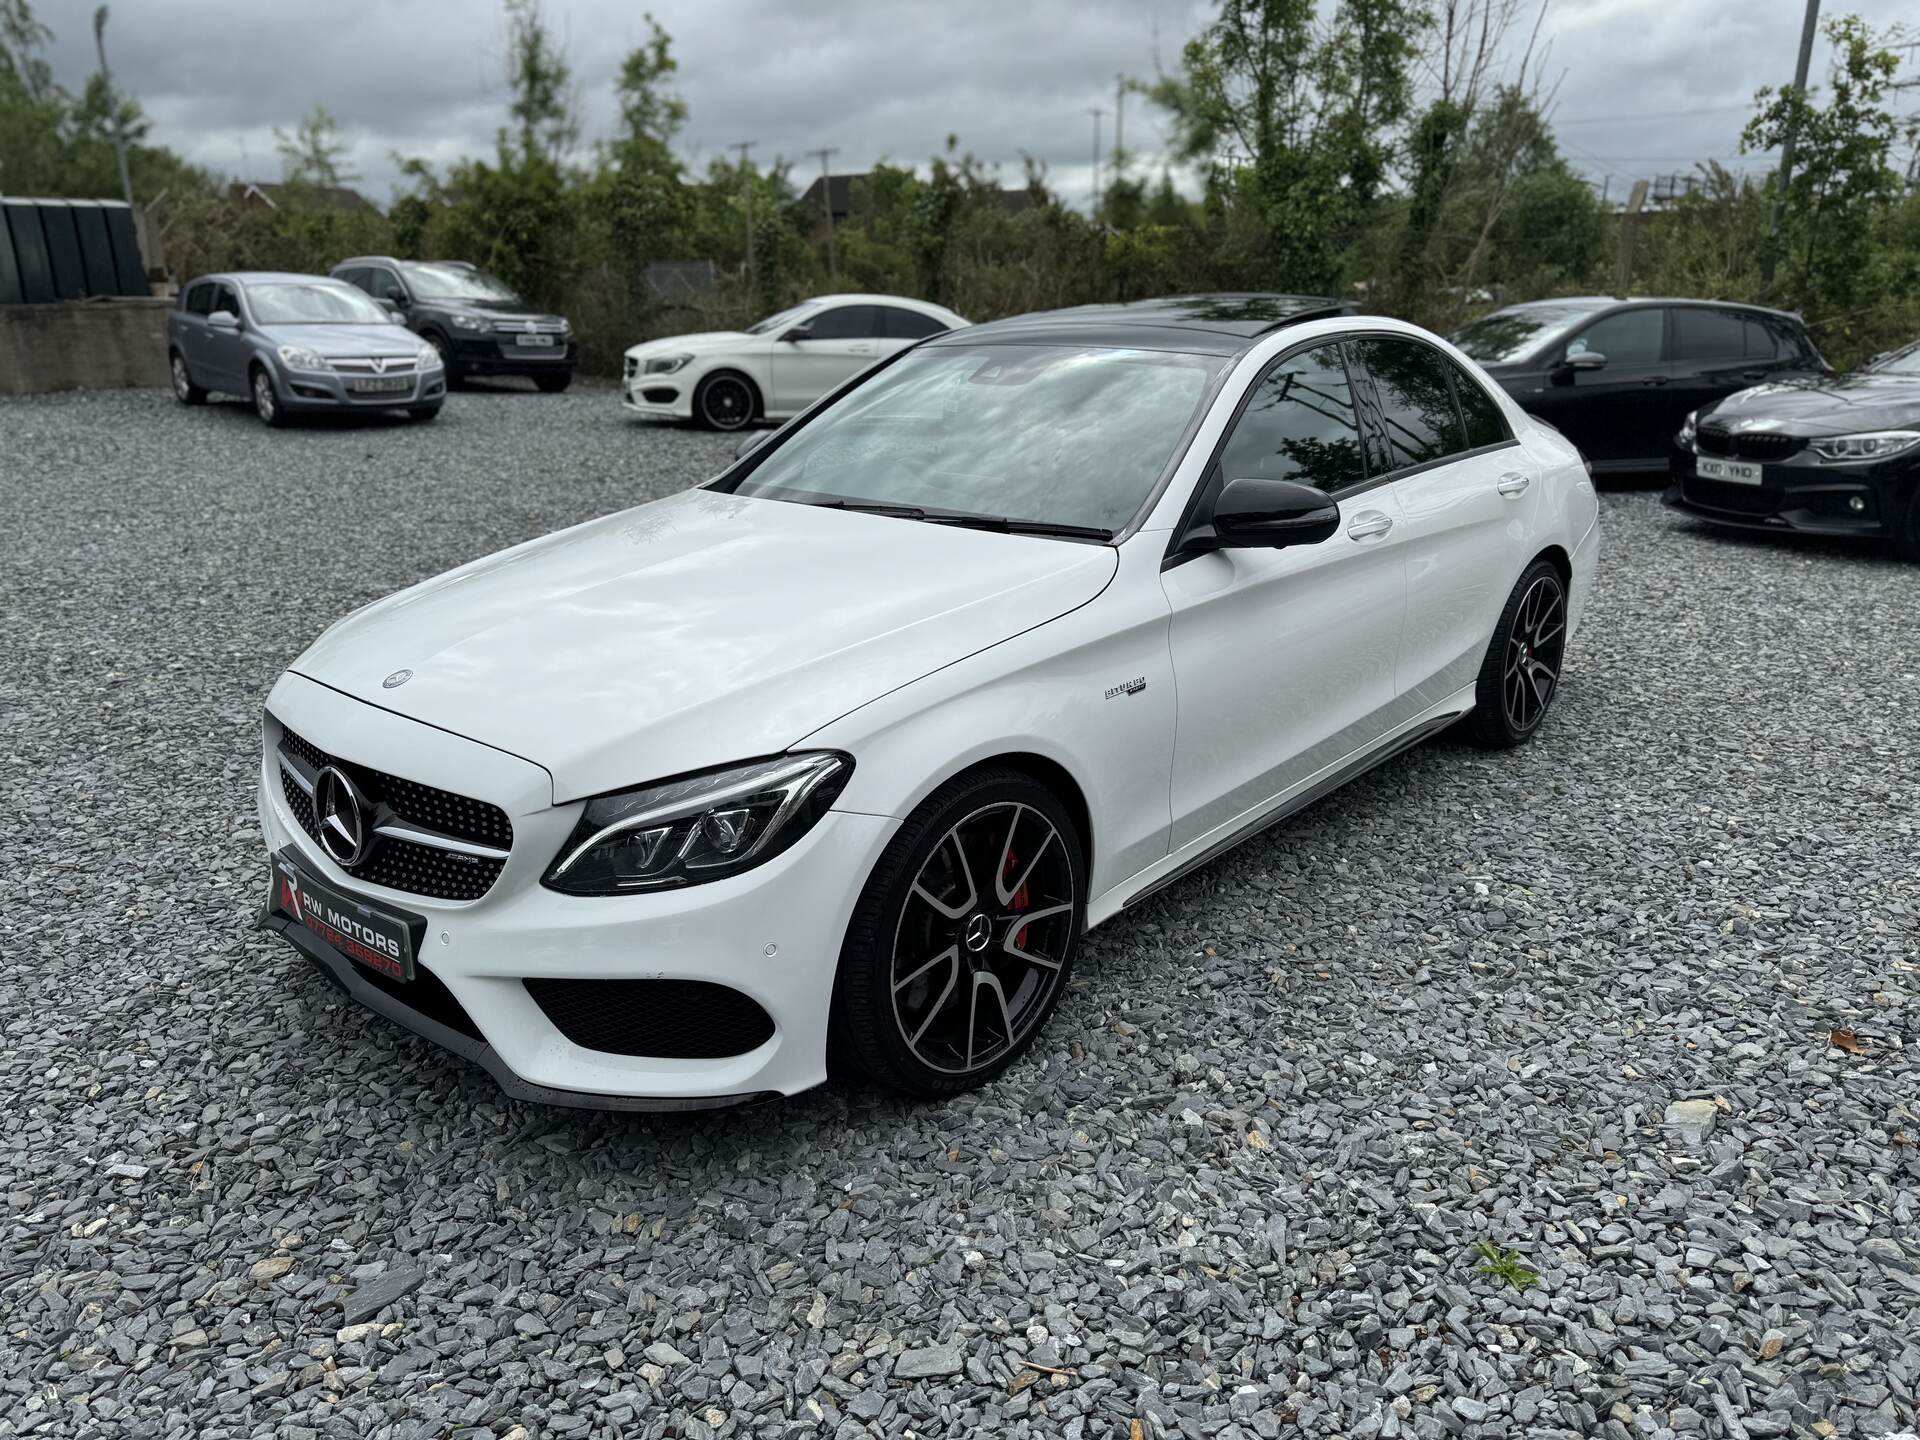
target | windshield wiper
x=1007, y=525
x=872, y=507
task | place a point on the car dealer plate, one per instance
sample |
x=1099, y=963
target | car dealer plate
x=381, y=385
x=1741, y=472
x=545, y=340
x=374, y=938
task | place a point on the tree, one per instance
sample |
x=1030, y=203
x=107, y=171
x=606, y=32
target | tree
x=540, y=79
x=1843, y=157
x=314, y=153
x=650, y=110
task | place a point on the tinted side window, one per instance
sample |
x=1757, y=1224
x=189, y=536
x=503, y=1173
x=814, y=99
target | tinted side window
x=200, y=299
x=225, y=298
x=1771, y=339
x=1299, y=424
x=848, y=322
x=1707, y=334
x=385, y=285
x=356, y=277
x=1416, y=400
x=909, y=324
x=1485, y=424
x=1632, y=337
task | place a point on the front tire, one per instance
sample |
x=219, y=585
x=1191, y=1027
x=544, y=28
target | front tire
x=266, y=400
x=726, y=401
x=184, y=390
x=1521, y=673
x=445, y=352
x=963, y=939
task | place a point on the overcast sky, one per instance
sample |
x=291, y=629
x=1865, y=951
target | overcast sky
x=1643, y=87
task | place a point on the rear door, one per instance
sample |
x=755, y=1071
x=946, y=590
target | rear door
x=190, y=330
x=1716, y=352
x=1616, y=414
x=1469, y=496
x=840, y=343
x=1284, y=659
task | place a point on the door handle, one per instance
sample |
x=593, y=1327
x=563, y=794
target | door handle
x=1514, y=483
x=1656, y=380
x=1369, y=524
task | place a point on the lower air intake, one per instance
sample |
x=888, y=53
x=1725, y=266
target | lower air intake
x=661, y=1019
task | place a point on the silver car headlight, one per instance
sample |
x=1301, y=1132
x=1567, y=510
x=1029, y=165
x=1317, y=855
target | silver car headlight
x=1870, y=445
x=1685, y=438
x=697, y=827
x=667, y=364
x=298, y=357
x=427, y=358
x=469, y=322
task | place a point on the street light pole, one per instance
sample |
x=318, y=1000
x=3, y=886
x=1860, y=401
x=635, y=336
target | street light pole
x=1096, y=112
x=1767, y=261
x=826, y=209
x=113, y=103
x=746, y=189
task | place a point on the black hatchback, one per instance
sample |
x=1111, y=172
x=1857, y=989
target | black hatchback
x=477, y=323
x=1616, y=376
x=1828, y=457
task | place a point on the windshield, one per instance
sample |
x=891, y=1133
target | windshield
x=1901, y=362
x=779, y=321
x=456, y=282
x=314, y=302
x=1509, y=335
x=1061, y=435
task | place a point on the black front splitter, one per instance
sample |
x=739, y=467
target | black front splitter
x=345, y=974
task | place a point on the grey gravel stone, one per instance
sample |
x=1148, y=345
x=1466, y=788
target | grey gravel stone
x=1703, y=863
x=932, y=1361
x=1692, y=1120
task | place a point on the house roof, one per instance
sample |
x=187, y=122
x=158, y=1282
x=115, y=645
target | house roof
x=274, y=194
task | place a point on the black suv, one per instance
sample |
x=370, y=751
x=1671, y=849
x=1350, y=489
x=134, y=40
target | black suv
x=479, y=326
x=1616, y=377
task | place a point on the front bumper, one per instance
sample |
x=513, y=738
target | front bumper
x=1799, y=494
x=773, y=933
x=317, y=390
x=659, y=397
x=492, y=354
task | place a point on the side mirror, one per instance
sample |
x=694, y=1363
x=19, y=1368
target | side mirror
x=394, y=306
x=1587, y=360
x=224, y=320
x=1270, y=514
x=803, y=331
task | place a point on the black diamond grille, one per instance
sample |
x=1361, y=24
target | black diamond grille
x=402, y=864
x=663, y=1019
x=1746, y=444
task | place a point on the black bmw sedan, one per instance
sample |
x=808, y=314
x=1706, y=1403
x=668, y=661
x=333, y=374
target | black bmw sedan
x=1837, y=456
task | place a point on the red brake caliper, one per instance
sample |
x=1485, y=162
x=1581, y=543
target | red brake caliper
x=1020, y=900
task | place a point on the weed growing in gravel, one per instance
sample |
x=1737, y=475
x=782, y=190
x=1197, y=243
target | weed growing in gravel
x=1505, y=1265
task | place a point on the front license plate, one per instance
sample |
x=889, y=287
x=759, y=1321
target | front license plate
x=1741, y=472
x=385, y=385
x=544, y=340
x=371, y=937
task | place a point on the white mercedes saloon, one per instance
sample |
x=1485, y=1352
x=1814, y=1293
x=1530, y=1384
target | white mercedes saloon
x=727, y=379
x=840, y=753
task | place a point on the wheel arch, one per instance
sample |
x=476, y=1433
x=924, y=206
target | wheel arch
x=1049, y=773
x=1560, y=560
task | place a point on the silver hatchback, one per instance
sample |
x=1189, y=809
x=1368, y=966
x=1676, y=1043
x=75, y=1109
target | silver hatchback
x=298, y=344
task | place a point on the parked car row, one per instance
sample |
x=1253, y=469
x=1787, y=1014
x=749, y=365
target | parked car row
x=377, y=334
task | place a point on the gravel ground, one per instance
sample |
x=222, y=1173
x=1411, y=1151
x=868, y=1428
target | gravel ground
x=1236, y=1191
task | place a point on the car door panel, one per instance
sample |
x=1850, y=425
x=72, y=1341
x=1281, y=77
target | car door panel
x=1618, y=413
x=1284, y=658
x=843, y=342
x=225, y=348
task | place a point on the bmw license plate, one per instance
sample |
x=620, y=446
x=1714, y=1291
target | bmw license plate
x=542, y=340
x=381, y=385
x=1741, y=472
x=374, y=938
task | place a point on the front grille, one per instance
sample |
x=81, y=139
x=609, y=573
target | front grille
x=528, y=327
x=1735, y=499
x=1746, y=444
x=398, y=864
x=396, y=365
x=426, y=994
x=662, y=1019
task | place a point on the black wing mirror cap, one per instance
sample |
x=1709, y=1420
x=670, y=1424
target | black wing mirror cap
x=798, y=332
x=1270, y=514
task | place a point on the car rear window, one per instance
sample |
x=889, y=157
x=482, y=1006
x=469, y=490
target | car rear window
x=1415, y=395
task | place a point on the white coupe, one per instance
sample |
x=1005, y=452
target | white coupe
x=726, y=379
x=841, y=752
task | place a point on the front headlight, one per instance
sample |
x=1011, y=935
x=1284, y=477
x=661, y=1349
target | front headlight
x=667, y=364
x=298, y=357
x=427, y=358
x=699, y=827
x=566, y=326
x=1873, y=445
x=1685, y=438
x=468, y=322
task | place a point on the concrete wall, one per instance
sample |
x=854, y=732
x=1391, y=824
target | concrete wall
x=83, y=345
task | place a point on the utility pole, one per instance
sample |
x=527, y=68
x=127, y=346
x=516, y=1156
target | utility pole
x=826, y=209
x=1096, y=112
x=113, y=103
x=1119, y=119
x=1767, y=261
x=746, y=190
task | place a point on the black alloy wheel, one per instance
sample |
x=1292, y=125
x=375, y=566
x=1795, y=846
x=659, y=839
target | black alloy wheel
x=964, y=937
x=1521, y=672
x=725, y=401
